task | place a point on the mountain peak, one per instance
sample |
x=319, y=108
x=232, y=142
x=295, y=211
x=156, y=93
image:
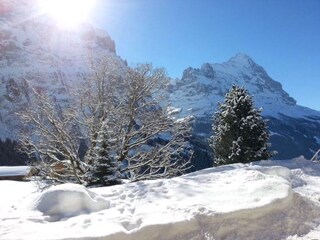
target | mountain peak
x=213, y=81
x=241, y=58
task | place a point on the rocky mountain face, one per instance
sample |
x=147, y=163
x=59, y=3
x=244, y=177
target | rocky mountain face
x=294, y=130
x=34, y=50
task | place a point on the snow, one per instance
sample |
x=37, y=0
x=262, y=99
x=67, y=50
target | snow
x=172, y=110
x=202, y=93
x=69, y=200
x=14, y=171
x=263, y=200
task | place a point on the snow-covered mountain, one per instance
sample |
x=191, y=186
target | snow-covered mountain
x=295, y=130
x=35, y=49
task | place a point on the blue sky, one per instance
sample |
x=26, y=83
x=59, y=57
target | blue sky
x=283, y=36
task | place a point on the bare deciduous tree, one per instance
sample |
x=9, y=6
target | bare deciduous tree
x=129, y=104
x=142, y=135
x=50, y=135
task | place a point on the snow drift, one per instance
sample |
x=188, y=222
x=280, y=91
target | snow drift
x=69, y=200
x=267, y=200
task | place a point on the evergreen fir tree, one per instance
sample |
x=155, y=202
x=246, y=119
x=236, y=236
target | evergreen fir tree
x=105, y=169
x=240, y=133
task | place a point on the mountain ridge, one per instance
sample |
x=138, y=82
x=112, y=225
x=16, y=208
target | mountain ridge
x=217, y=78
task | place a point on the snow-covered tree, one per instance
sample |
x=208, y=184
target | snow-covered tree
x=49, y=134
x=120, y=114
x=104, y=168
x=145, y=140
x=239, y=131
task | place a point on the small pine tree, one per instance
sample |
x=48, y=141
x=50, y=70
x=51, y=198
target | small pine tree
x=240, y=133
x=105, y=169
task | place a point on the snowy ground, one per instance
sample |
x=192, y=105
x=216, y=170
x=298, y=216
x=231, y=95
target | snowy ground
x=264, y=200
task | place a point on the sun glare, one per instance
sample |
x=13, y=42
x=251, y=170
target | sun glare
x=67, y=13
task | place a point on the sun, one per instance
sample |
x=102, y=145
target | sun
x=67, y=13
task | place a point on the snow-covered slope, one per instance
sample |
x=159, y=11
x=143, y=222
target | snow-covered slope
x=267, y=200
x=199, y=91
x=34, y=48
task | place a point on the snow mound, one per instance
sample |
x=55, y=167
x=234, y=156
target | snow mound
x=68, y=200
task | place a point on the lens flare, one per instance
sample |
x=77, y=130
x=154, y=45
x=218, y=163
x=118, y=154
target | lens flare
x=67, y=13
